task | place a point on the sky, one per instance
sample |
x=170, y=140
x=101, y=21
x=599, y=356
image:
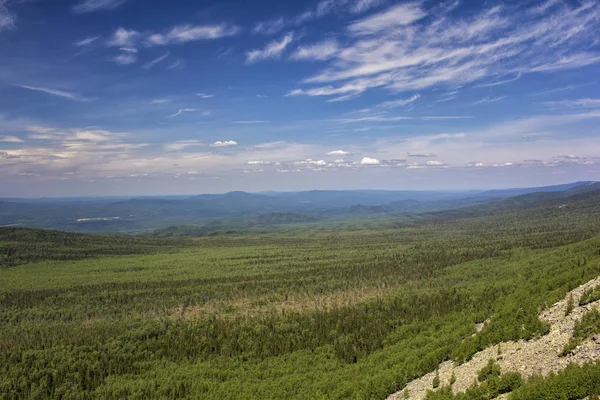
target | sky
x=132, y=97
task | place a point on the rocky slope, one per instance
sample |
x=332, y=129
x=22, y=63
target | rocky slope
x=538, y=356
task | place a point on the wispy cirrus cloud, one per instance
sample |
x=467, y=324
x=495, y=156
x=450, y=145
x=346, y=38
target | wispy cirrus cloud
x=400, y=50
x=397, y=103
x=87, y=41
x=393, y=18
x=273, y=50
x=125, y=58
x=361, y=6
x=320, y=51
x=182, y=144
x=270, y=27
x=7, y=18
x=88, y=6
x=501, y=82
x=56, y=92
x=574, y=103
x=372, y=118
x=184, y=110
x=11, y=139
x=320, y=10
x=157, y=60
x=164, y=100
x=188, y=33
x=488, y=99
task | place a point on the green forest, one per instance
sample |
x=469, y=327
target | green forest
x=351, y=310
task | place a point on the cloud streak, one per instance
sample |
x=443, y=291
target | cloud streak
x=55, y=92
x=87, y=41
x=577, y=103
x=320, y=51
x=498, y=83
x=321, y=10
x=184, y=110
x=88, y=6
x=157, y=60
x=273, y=50
x=188, y=33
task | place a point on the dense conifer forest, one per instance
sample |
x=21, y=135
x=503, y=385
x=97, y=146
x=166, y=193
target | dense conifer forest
x=352, y=310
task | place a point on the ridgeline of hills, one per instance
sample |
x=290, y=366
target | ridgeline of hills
x=235, y=210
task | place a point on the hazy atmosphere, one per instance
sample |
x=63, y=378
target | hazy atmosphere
x=107, y=97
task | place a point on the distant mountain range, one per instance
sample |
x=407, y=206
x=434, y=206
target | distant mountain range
x=146, y=214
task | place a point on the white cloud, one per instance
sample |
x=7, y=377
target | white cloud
x=86, y=41
x=577, y=103
x=157, y=60
x=10, y=139
x=320, y=51
x=498, y=83
x=129, y=50
x=401, y=51
x=566, y=62
x=364, y=5
x=181, y=145
x=369, y=161
x=273, y=50
x=489, y=100
x=87, y=6
x=311, y=162
x=56, y=92
x=258, y=162
x=322, y=9
x=270, y=27
x=165, y=100
x=475, y=164
x=354, y=87
x=434, y=163
x=204, y=95
x=124, y=38
x=372, y=118
x=7, y=19
x=92, y=135
x=395, y=17
x=249, y=122
x=224, y=143
x=187, y=33
x=125, y=58
x=177, y=64
x=337, y=153
x=40, y=129
x=398, y=103
x=422, y=155
x=184, y=110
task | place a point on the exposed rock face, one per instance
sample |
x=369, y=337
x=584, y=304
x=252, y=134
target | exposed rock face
x=538, y=356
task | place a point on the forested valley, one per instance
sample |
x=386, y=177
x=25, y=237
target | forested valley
x=355, y=309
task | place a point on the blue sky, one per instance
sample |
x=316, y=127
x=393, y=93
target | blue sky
x=119, y=97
